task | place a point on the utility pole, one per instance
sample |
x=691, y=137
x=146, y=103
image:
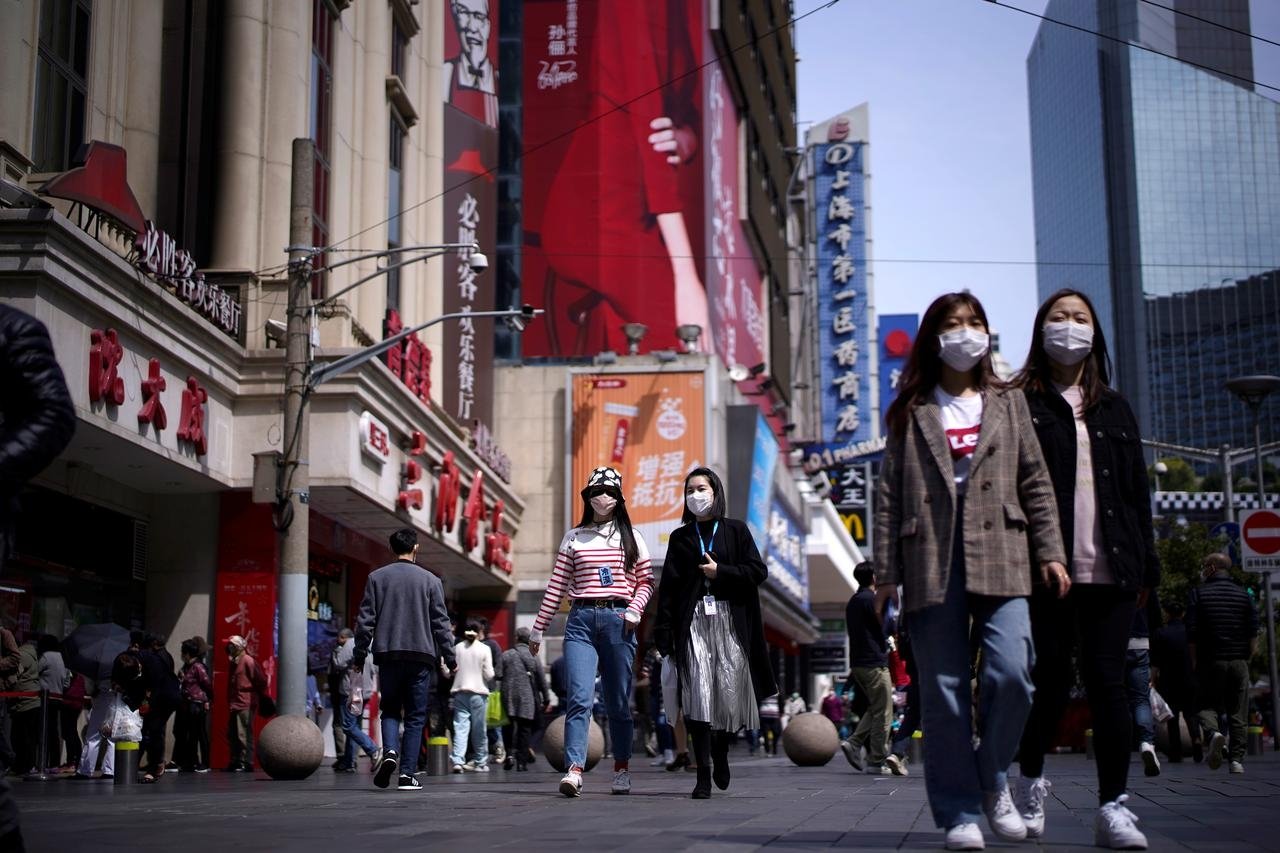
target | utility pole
x=293, y=498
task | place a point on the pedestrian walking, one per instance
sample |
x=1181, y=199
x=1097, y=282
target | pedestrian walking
x=1092, y=447
x=196, y=692
x=867, y=749
x=26, y=709
x=1175, y=679
x=346, y=692
x=603, y=567
x=524, y=691
x=10, y=663
x=404, y=622
x=770, y=724
x=163, y=694
x=246, y=692
x=73, y=696
x=335, y=676
x=471, y=682
x=709, y=621
x=793, y=707
x=911, y=684
x=964, y=505
x=1137, y=674
x=1222, y=627
x=497, y=749
x=652, y=672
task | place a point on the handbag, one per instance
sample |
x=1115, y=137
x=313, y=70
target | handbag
x=496, y=714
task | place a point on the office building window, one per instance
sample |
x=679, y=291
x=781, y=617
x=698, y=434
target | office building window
x=322, y=23
x=395, y=166
x=61, y=87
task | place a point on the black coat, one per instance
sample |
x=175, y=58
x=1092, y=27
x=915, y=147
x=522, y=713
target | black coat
x=1120, y=476
x=740, y=573
x=37, y=418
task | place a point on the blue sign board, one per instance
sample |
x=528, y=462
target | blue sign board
x=843, y=304
x=896, y=336
x=764, y=458
x=784, y=554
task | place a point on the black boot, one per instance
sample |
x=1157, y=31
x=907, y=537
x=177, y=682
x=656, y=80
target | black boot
x=720, y=759
x=682, y=760
x=702, y=790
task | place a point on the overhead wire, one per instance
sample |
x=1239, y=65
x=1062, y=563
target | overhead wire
x=1226, y=27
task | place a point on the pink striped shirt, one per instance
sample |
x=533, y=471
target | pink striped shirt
x=588, y=556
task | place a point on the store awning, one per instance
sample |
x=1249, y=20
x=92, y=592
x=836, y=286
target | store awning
x=785, y=615
x=832, y=555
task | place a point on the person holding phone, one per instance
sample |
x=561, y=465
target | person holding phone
x=709, y=622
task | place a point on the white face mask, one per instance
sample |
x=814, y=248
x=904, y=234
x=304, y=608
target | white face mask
x=1067, y=342
x=963, y=348
x=699, y=503
x=603, y=505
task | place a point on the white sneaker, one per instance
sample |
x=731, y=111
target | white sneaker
x=571, y=784
x=1029, y=799
x=1150, y=761
x=895, y=764
x=621, y=782
x=1003, y=816
x=482, y=768
x=1216, y=743
x=1114, y=827
x=457, y=768
x=965, y=836
x=1237, y=767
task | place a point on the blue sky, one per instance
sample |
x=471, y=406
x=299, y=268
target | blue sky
x=950, y=152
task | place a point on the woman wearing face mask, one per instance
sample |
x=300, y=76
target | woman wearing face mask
x=1090, y=440
x=603, y=566
x=964, y=506
x=709, y=622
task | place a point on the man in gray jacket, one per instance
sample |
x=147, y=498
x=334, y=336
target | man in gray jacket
x=404, y=619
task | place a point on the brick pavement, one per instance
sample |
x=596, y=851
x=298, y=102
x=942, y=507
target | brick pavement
x=770, y=803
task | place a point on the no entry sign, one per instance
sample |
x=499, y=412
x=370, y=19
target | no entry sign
x=1260, y=540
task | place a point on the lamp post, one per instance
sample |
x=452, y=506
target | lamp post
x=301, y=380
x=1254, y=390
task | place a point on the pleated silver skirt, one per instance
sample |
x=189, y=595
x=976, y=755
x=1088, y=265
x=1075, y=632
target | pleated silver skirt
x=715, y=680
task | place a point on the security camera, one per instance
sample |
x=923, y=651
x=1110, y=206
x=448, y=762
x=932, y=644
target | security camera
x=478, y=262
x=519, y=322
x=276, y=332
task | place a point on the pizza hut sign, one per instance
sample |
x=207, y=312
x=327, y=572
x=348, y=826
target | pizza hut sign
x=157, y=253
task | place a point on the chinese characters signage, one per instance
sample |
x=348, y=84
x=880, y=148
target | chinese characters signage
x=843, y=315
x=897, y=334
x=559, y=66
x=784, y=553
x=764, y=458
x=651, y=427
x=158, y=253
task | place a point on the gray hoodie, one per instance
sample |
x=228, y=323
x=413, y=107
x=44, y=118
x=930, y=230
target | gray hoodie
x=403, y=617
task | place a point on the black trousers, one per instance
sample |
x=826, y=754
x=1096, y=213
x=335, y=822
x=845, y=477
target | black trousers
x=1096, y=619
x=69, y=717
x=154, y=723
x=191, y=736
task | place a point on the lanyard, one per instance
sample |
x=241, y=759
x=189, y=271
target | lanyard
x=706, y=546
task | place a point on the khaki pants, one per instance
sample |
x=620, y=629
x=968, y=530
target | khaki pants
x=874, y=726
x=240, y=736
x=1224, y=689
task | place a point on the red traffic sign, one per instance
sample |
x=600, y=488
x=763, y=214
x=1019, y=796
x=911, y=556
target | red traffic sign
x=1260, y=540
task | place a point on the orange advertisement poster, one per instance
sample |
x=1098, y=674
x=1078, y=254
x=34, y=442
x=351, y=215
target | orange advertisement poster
x=652, y=428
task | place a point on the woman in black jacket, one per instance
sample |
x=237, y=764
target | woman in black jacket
x=709, y=622
x=1091, y=444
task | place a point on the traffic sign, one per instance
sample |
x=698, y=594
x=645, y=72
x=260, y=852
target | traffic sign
x=1230, y=531
x=1260, y=540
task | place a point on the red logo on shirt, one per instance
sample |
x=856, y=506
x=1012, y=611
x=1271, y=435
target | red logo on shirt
x=963, y=441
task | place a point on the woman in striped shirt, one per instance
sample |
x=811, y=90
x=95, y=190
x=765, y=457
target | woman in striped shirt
x=603, y=566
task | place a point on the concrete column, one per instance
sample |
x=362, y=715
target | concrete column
x=370, y=206
x=288, y=94
x=18, y=70
x=144, y=23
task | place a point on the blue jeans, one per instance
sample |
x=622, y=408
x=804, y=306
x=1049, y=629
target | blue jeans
x=957, y=774
x=355, y=735
x=594, y=638
x=469, y=712
x=404, y=687
x=1137, y=676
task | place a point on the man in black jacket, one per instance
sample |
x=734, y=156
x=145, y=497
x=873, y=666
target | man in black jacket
x=869, y=665
x=37, y=420
x=1222, y=627
x=404, y=619
x=1171, y=660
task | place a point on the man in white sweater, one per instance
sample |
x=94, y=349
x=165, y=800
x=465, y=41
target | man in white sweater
x=471, y=700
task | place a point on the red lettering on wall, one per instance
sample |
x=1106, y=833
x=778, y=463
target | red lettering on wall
x=152, y=411
x=418, y=445
x=105, y=353
x=447, y=492
x=497, y=545
x=391, y=326
x=191, y=423
x=410, y=498
x=473, y=513
x=378, y=438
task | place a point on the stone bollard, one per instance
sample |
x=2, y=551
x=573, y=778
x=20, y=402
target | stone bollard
x=810, y=739
x=128, y=754
x=553, y=744
x=290, y=747
x=438, y=756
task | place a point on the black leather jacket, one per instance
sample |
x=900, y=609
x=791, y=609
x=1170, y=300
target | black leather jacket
x=37, y=418
x=1120, y=477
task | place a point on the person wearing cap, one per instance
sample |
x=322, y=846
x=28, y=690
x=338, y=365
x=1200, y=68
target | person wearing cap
x=246, y=686
x=343, y=679
x=524, y=691
x=603, y=567
x=404, y=622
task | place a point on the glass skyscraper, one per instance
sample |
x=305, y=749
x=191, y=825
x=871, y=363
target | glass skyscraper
x=1157, y=192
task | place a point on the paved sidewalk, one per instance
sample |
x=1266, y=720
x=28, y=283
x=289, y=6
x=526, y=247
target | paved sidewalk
x=770, y=803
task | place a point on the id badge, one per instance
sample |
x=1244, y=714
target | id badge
x=606, y=576
x=709, y=605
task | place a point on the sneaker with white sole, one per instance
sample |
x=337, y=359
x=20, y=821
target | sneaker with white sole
x=1216, y=744
x=387, y=768
x=571, y=784
x=1005, y=821
x=854, y=755
x=965, y=836
x=1114, y=827
x=408, y=783
x=1029, y=797
x=375, y=759
x=621, y=782
x=1150, y=761
x=457, y=768
x=895, y=764
x=481, y=768
x=1237, y=767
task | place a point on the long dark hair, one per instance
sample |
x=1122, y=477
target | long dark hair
x=718, y=506
x=620, y=518
x=924, y=368
x=1037, y=373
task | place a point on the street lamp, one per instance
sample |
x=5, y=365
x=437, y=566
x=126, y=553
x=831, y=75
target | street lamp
x=1254, y=390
